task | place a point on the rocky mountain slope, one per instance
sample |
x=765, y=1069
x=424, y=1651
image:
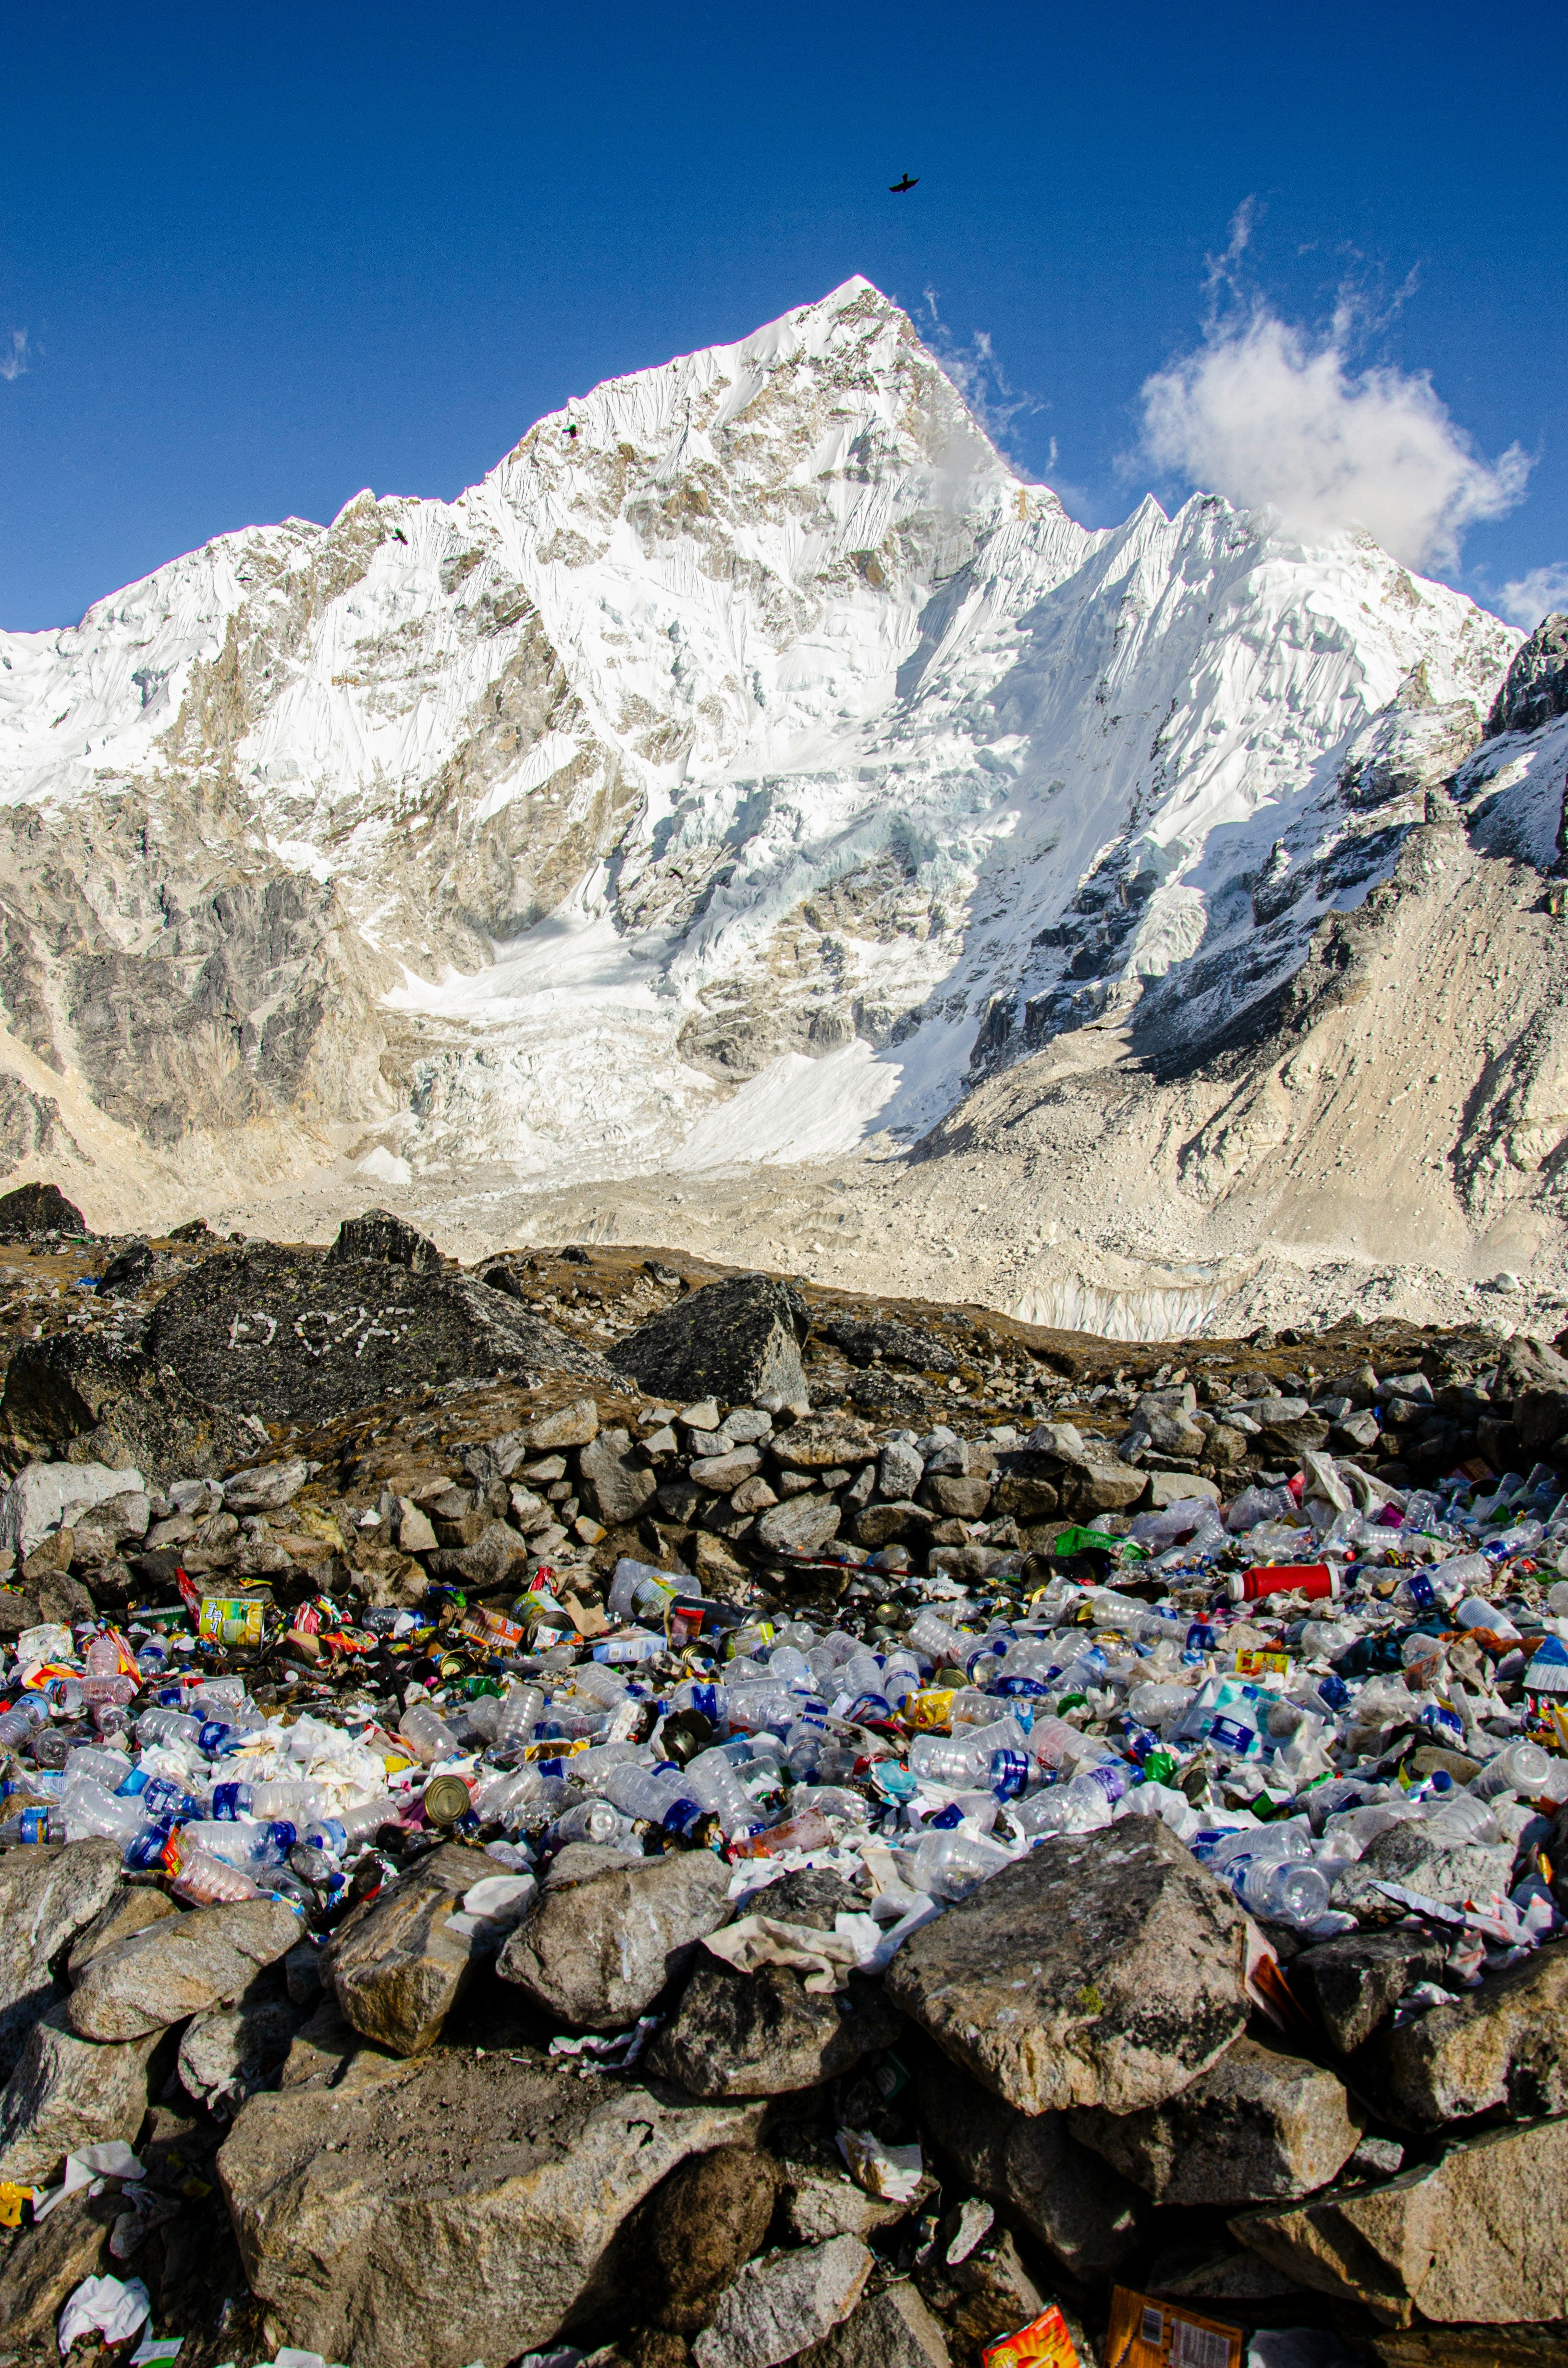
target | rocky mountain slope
x=752, y=772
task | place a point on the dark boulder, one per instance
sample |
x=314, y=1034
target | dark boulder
x=127, y=1271
x=96, y=1401
x=738, y=1341
x=1536, y=686
x=385, y=1240
x=866, y=1339
x=291, y=1333
x=34, y=1210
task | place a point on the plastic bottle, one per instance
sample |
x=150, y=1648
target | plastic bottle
x=590, y=1769
x=174, y=1726
x=109, y=1769
x=603, y=1686
x=594, y=1821
x=714, y=1784
x=712, y=1702
x=637, y=1586
x=242, y=1842
x=658, y=1796
x=521, y=1709
x=1518, y=1767
x=1081, y=1806
x=207, y=1882
x=965, y=1756
x=1285, y=1891
x=89, y=1811
x=949, y=1865
x=931, y=1636
x=773, y=1705
x=326, y=1834
x=426, y=1734
x=807, y=1832
x=17, y=1724
x=159, y=1797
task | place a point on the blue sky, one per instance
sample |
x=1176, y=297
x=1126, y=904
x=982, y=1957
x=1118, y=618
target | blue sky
x=261, y=258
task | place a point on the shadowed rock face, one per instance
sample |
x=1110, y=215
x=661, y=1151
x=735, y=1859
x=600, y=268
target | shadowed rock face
x=736, y=1341
x=1536, y=688
x=299, y=1335
x=35, y=1208
x=77, y=1396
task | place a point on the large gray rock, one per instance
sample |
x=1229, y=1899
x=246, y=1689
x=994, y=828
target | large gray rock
x=46, y=1898
x=396, y=1969
x=1411, y=1854
x=454, y=2208
x=1479, y=2238
x=777, y=2307
x=1086, y=1474
x=1103, y=1969
x=1260, y=2125
x=129, y=1909
x=799, y=1525
x=598, y=1952
x=1501, y=2048
x=736, y=1341
x=66, y=2093
x=380, y=1238
x=42, y=1496
x=695, y=2231
x=890, y=2329
x=265, y=1486
x=1033, y=2169
x=764, y=2034
x=47, y=2262
x=1355, y=1981
x=179, y=1967
x=80, y=1395
x=614, y=1488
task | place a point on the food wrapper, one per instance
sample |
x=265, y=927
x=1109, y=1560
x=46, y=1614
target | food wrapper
x=237, y=1621
x=1044, y=2343
x=1147, y=2334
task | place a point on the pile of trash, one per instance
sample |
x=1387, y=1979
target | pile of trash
x=872, y=1949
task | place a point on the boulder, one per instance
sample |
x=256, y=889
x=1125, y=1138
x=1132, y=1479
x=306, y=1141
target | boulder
x=456, y=2207
x=265, y=1486
x=228, y=2053
x=764, y=2034
x=823, y=1442
x=736, y=1340
x=1259, y=2125
x=42, y=1496
x=384, y=1240
x=96, y=1400
x=695, y=2232
x=1103, y=1969
x=597, y=1950
x=67, y=2093
x=1032, y=2168
x=889, y=2329
x=33, y=1210
x=1411, y=1854
x=614, y=1488
x=899, y=1469
x=1169, y=1488
x=987, y=2295
x=571, y=1425
x=396, y=1968
x=1355, y=1981
x=291, y=1334
x=179, y=1967
x=1502, y=2048
x=47, y=2262
x=46, y=1898
x=801, y=1524
x=127, y=1272
x=1478, y=2238
x=1086, y=1474
x=777, y=2307
x=131, y=1908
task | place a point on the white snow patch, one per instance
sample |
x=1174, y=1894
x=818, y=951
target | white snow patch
x=797, y=1109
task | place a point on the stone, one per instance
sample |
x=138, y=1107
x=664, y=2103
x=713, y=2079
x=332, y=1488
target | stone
x=42, y=1496
x=753, y=1496
x=385, y=1240
x=726, y=1473
x=33, y=1210
x=265, y=1486
x=1169, y=1488
x=800, y=1525
x=1448, y=1871
x=128, y=1272
x=1534, y=691
x=1259, y=2126
x=1032, y=2168
x=1088, y=1476
x=1502, y=2048
x=777, y=2307
x=598, y=1952
x=614, y=1488
x=1355, y=1981
x=232, y=1331
x=764, y=2034
x=821, y=2202
x=823, y=1441
x=696, y=2231
x=1169, y=1432
x=1479, y=2238
x=1103, y=1969
x=986, y=2296
x=889, y=2329
x=890, y=1523
x=67, y=2093
x=456, y=2207
x=46, y=1898
x=396, y=1970
x=570, y=1426
x=228, y=2053
x=899, y=1469
x=95, y=1400
x=960, y=1499
x=736, y=1340
x=866, y=1339
x=130, y=1907
x=49, y=2262
x=179, y=1967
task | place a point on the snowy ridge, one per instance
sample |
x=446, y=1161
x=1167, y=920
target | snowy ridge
x=752, y=761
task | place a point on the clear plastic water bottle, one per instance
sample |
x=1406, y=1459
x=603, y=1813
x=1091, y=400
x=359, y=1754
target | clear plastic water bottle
x=521, y=1709
x=950, y=1865
x=426, y=1734
x=89, y=1812
x=1519, y=1768
x=658, y=1796
x=595, y=1821
x=710, y=1702
x=329, y=1835
x=173, y=1726
x=773, y=1705
x=600, y=1683
x=714, y=1786
x=109, y=1769
x=19, y=1723
x=161, y=1798
x=1081, y=1806
x=965, y=1758
x=932, y=1635
x=242, y=1842
x=1285, y=1891
x=203, y=1880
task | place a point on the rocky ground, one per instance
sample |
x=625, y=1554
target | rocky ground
x=630, y=2103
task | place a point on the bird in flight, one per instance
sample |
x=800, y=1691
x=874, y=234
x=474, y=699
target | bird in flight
x=897, y=188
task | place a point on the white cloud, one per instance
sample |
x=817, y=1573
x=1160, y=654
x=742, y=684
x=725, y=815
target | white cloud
x=1272, y=415
x=1530, y=597
x=979, y=377
x=14, y=357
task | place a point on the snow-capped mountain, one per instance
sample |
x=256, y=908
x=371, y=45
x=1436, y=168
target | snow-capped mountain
x=752, y=762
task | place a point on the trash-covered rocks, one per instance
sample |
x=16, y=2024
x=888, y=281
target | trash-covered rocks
x=598, y=1946
x=486, y=2195
x=1103, y=1971
x=889, y=2328
x=1499, y=2048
